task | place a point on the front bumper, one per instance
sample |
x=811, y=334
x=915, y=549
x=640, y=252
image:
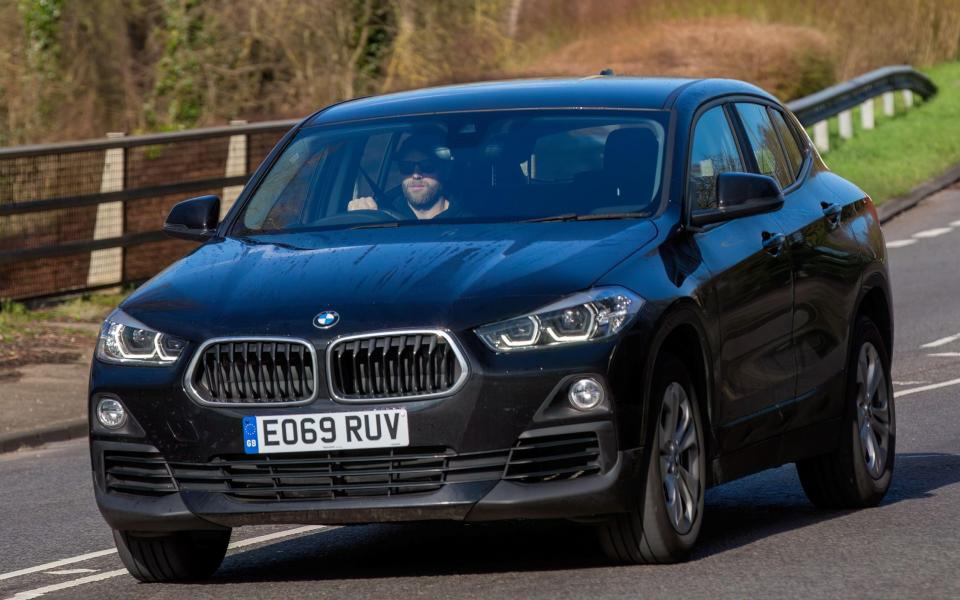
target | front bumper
x=604, y=490
x=508, y=402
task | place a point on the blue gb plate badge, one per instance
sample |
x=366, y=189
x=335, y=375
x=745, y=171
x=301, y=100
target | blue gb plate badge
x=250, y=444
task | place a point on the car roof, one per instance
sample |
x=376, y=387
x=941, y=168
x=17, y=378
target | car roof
x=588, y=92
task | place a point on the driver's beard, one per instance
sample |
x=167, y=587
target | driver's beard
x=425, y=201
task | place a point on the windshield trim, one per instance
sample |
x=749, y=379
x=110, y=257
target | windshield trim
x=233, y=228
x=573, y=110
x=448, y=221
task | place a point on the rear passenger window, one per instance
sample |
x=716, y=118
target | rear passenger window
x=794, y=153
x=714, y=152
x=765, y=143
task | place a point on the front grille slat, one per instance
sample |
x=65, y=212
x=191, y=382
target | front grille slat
x=236, y=362
x=395, y=365
x=253, y=371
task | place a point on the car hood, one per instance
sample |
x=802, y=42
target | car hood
x=451, y=276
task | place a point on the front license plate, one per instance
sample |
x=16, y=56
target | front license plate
x=385, y=428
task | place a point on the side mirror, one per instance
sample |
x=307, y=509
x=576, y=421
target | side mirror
x=193, y=219
x=741, y=195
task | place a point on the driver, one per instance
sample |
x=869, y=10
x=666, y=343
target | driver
x=424, y=171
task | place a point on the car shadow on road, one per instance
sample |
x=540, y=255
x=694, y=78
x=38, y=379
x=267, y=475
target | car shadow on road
x=773, y=502
x=737, y=514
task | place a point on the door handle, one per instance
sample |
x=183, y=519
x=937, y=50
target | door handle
x=773, y=243
x=833, y=213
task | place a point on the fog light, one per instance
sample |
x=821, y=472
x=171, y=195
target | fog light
x=585, y=394
x=111, y=414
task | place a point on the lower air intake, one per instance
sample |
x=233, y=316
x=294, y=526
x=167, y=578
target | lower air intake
x=554, y=458
x=138, y=473
x=334, y=475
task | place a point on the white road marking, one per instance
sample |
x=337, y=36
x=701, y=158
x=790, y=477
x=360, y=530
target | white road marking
x=58, y=563
x=37, y=592
x=932, y=233
x=70, y=571
x=275, y=536
x=942, y=341
x=908, y=382
x=925, y=388
x=900, y=243
x=56, y=587
x=945, y=354
x=955, y=224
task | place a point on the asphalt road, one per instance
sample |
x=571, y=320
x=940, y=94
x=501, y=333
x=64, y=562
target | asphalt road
x=761, y=537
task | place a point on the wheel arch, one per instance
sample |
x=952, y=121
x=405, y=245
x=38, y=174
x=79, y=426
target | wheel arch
x=681, y=331
x=874, y=302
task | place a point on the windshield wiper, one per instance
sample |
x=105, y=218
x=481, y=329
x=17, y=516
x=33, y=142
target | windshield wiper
x=598, y=217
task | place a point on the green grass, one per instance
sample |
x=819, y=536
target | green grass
x=14, y=318
x=915, y=145
x=17, y=319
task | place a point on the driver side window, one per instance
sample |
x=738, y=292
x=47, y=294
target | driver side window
x=714, y=151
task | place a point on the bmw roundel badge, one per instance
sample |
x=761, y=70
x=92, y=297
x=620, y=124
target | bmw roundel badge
x=326, y=319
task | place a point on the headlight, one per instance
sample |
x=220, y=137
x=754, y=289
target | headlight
x=124, y=340
x=592, y=315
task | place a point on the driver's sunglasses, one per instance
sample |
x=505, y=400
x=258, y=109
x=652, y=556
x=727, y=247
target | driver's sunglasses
x=426, y=166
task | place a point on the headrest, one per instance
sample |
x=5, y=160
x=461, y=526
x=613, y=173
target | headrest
x=630, y=148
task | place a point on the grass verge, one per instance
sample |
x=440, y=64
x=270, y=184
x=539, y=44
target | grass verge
x=915, y=145
x=56, y=333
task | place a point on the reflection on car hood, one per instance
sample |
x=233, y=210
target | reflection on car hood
x=454, y=276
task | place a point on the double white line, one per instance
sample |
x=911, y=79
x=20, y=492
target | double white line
x=37, y=592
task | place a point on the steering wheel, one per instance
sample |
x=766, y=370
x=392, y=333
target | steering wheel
x=377, y=214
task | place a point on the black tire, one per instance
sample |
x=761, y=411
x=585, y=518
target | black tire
x=646, y=534
x=180, y=556
x=842, y=478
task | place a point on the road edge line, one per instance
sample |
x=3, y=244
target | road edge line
x=926, y=388
x=57, y=563
x=66, y=585
x=63, y=585
x=241, y=543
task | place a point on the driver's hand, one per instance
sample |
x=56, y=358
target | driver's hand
x=364, y=203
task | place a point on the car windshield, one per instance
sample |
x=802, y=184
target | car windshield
x=464, y=167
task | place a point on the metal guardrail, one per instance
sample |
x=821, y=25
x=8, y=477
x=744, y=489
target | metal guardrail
x=836, y=99
x=78, y=216
x=840, y=100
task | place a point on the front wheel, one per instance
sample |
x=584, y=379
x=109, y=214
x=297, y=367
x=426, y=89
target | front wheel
x=858, y=473
x=665, y=522
x=179, y=556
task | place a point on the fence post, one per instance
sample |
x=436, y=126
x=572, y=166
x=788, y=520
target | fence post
x=866, y=114
x=907, y=98
x=845, y=119
x=106, y=265
x=236, y=166
x=888, y=107
x=821, y=136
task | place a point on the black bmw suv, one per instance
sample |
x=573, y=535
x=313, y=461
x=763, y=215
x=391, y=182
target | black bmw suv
x=583, y=299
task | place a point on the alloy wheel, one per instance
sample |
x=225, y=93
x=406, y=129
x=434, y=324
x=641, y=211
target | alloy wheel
x=873, y=410
x=679, y=458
